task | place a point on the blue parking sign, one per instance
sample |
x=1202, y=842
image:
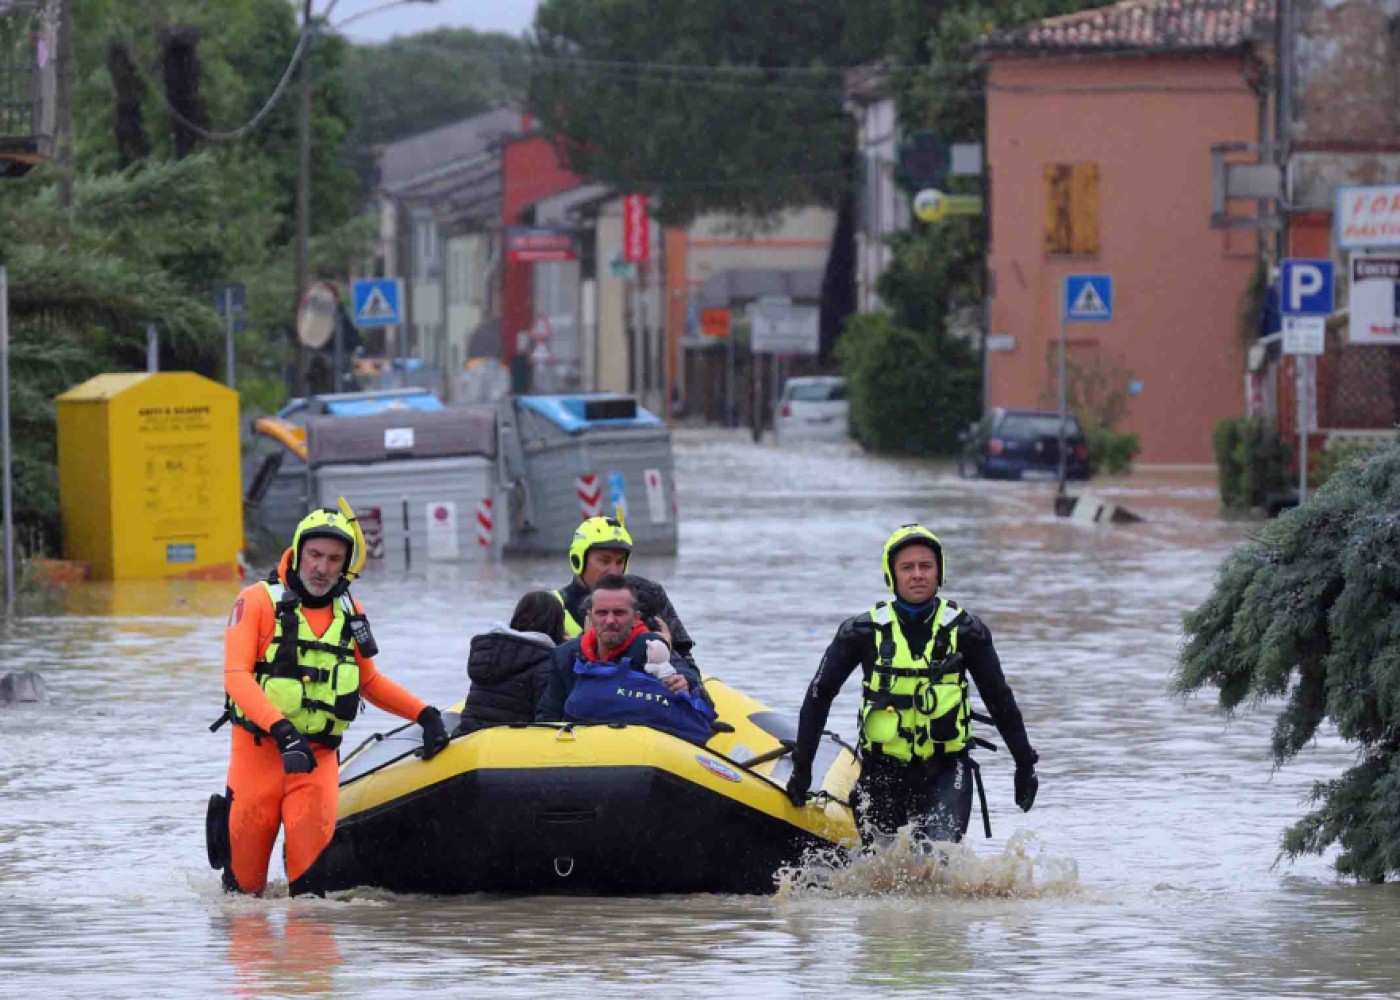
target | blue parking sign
x=1306, y=287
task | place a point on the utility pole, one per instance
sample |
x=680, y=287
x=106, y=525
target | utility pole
x=5, y=473
x=303, y=199
x=67, y=166
x=1283, y=112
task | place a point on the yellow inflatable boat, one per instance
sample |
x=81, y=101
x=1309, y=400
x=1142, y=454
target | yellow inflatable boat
x=562, y=808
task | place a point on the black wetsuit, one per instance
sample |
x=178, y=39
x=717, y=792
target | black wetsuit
x=938, y=791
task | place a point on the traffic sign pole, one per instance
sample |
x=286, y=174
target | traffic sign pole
x=228, y=334
x=1307, y=289
x=338, y=354
x=1301, y=364
x=1064, y=392
x=5, y=434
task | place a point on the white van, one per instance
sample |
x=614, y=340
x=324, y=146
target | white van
x=813, y=408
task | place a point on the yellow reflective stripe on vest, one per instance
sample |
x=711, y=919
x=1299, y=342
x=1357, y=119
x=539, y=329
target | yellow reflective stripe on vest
x=906, y=711
x=325, y=698
x=572, y=629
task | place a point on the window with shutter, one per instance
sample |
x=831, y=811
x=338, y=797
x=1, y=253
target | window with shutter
x=1072, y=208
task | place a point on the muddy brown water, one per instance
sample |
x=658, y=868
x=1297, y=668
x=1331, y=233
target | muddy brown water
x=1146, y=869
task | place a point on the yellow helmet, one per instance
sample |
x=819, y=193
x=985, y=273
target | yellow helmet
x=325, y=522
x=912, y=534
x=597, y=533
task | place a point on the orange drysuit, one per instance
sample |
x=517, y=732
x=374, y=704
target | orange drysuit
x=263, y=796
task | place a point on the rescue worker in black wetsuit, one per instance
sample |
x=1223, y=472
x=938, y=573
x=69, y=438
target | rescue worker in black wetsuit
x=916, y=654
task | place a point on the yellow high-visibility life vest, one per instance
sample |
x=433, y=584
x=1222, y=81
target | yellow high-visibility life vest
x=314, y=682
x=915, y=705
x=572, y=629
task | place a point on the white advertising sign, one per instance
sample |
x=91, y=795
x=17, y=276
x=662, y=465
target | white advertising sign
x=779, y=329
x=1368, y=216
x=1375, y=286
x=442, y=530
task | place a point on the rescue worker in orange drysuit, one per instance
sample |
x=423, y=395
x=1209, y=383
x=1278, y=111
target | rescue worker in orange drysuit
x=291, y=701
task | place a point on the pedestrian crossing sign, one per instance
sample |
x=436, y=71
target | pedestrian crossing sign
x=377, y=302
x=1088, y=298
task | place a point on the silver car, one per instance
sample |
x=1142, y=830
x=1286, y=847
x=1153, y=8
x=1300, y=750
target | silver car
x=813, y=408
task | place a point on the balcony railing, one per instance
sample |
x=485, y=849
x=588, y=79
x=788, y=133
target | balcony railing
x=28, y=82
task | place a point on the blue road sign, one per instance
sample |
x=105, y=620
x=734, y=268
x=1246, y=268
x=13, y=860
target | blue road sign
x=230, y=298
x=1307, y=287
x=376, y=301
x=1088, y=298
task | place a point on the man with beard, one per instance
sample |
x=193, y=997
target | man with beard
x=618, y=671
x=601, y=547
x=298, y=657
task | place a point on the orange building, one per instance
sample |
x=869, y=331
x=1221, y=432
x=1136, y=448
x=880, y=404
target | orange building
x=1099, y=133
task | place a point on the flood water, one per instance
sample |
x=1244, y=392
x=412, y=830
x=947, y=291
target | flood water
x=1147, y=868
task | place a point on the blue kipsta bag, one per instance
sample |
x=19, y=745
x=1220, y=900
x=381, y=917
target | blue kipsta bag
x=614, y=692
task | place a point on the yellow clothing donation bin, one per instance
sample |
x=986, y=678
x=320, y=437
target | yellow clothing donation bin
x=148, y=476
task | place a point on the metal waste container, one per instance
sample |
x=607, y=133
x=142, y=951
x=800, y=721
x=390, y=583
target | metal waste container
x=148, y=476
x=565, y=458
x=422, y=482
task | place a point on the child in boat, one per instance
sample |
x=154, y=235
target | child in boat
x=509, y=666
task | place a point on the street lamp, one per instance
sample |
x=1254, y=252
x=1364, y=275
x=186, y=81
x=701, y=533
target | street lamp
x=310, y=25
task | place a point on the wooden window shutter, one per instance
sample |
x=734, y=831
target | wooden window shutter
x=1071, y=208
x=1084, y=207
x=1057, y=208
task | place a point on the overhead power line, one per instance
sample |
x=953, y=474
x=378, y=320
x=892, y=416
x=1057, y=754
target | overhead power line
x=788, y=78
x=229, y=135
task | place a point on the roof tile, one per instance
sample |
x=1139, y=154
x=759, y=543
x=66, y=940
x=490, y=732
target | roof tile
x=1142, y=25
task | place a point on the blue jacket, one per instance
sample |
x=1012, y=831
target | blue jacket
x=562, y=677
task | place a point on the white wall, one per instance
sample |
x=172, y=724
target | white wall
x=883, y=208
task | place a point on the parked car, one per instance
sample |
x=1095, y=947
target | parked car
x=1023, y=444
x=813, y=408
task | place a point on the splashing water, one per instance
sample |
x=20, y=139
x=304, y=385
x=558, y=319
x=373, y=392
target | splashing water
x=912, y=866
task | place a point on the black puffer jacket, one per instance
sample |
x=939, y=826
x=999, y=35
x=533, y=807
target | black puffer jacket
x=508, y=671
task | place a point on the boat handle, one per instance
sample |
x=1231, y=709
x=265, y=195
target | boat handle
x=561, y=870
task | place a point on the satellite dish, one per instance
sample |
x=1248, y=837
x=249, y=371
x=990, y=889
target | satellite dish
x=318, y=315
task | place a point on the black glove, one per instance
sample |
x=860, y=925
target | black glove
x=798, y=784
x=434, y=732
x=1027, y=784
x=297, y=757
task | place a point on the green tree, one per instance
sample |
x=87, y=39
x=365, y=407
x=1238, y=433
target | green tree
x=84, y=285
x=410, y=85
x=1307, y=613
x=910, y=393
x=714, y=106
x=243, y=48
x=937, y=277
x=148, y=235
x=414, y=84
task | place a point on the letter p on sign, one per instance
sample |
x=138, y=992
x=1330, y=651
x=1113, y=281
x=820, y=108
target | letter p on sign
x=1308, y=287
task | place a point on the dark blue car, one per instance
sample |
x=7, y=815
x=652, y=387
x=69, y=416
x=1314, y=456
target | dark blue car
x=1023, y=444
